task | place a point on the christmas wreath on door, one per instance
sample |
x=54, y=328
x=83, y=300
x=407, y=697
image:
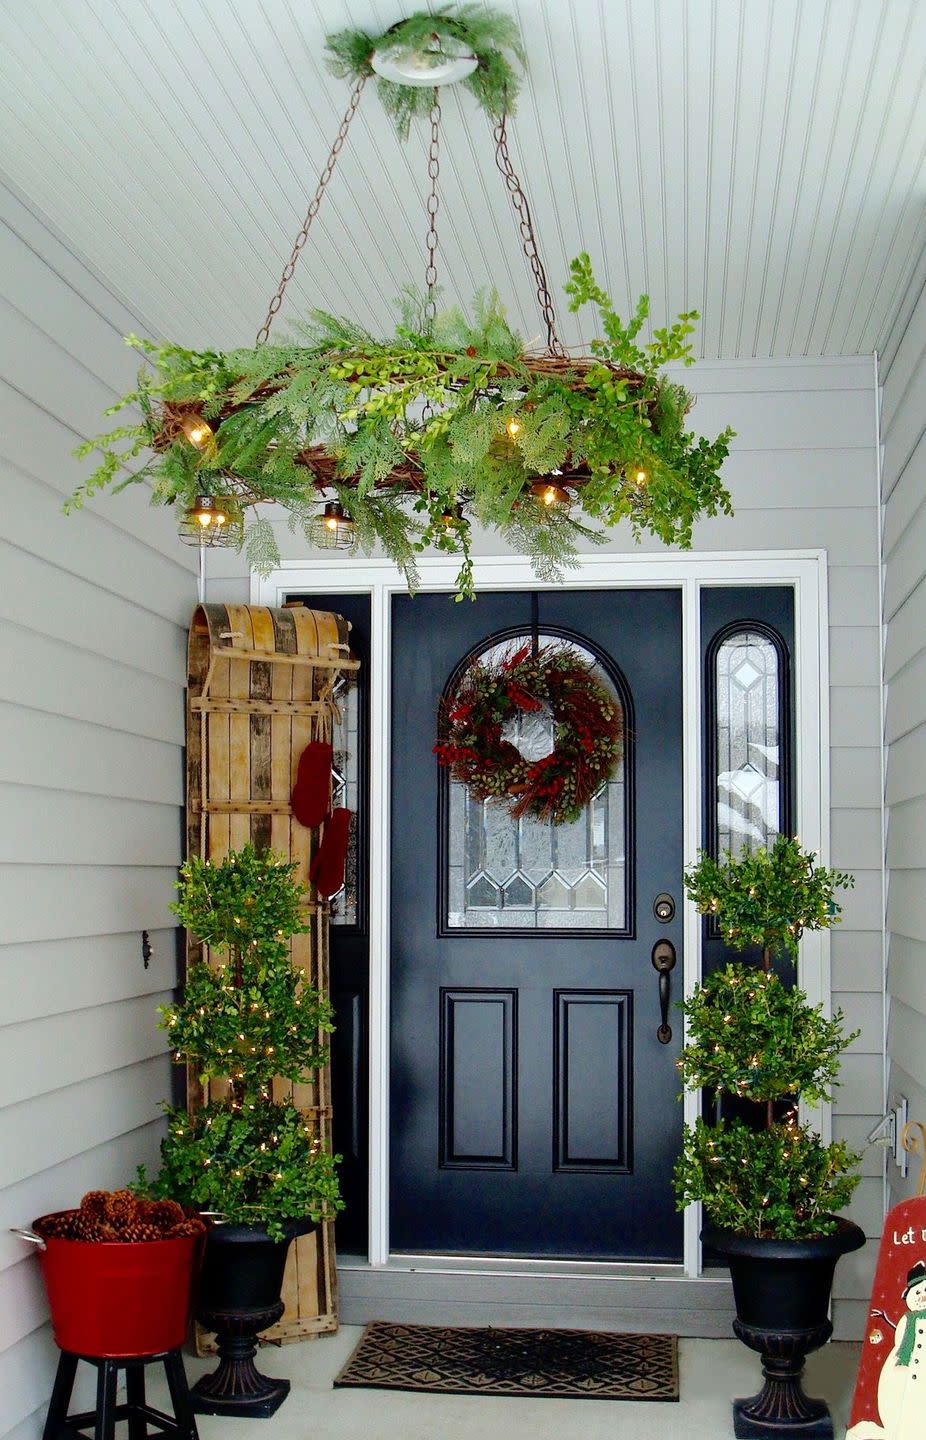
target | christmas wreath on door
x=482, y=724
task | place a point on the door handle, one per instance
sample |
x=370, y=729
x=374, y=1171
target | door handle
x=663, y=958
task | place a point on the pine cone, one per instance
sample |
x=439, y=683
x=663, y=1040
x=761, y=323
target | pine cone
x=104, y=1232
x=59, y=1227
x=164, y=1213
x=190, y=1226
x=84, y=1227
x=120, y=1209
x=94, y=1203
x=139, y=1232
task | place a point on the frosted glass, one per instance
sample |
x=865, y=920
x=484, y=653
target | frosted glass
x=530, y=874
x=747, y=709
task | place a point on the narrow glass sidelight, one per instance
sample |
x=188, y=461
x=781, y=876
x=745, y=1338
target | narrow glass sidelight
x=747, y=718
x=526, y=874
x=345, y=787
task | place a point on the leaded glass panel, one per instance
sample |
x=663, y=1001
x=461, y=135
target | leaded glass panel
x=345, y=788
x=504, y=873
x=748, y=692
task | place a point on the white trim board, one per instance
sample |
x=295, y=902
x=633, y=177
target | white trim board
x=805, y=570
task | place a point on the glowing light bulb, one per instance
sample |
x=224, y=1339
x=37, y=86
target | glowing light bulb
x=205, y=519
x=513, y=426
x=641, y=477
x=197, y=430
x=549, y=493
x=334, y=528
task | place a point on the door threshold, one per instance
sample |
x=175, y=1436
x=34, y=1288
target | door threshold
x=510, y=1265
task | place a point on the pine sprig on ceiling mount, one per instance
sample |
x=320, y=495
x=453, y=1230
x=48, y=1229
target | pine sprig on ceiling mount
x=488, y=34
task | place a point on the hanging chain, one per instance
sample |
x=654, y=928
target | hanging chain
x=430, y=244
x=430, y=271
x=264, y=331
x=526, y=230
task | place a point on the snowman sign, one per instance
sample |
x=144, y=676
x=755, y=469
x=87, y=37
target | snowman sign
x=890, y=1392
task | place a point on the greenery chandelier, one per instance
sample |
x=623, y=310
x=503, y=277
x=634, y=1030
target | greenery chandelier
x=409, y=442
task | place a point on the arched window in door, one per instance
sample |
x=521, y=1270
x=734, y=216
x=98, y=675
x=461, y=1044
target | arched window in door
x=504, y=875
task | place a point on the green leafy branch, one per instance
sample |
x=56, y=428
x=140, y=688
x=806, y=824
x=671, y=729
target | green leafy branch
x=751, y=1037
x=261, y=1165
x=782, y=1182
x=247, y=901
x=246, y=1015
x=769, y=897
x=407, y=429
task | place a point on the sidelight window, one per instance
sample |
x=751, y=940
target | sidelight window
x=749, y=752
x=345, y=788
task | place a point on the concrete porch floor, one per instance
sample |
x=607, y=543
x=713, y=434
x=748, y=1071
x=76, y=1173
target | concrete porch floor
x=711, y=1373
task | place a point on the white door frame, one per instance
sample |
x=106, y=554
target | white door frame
x=805, y=570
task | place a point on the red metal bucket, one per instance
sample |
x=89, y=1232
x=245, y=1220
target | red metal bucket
x=113, y=1299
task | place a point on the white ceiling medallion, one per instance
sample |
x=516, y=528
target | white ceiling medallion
x=441, y=62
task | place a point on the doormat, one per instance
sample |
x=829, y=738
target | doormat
x=552, y=1364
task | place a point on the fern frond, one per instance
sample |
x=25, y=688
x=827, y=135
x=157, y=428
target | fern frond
x=261, y=546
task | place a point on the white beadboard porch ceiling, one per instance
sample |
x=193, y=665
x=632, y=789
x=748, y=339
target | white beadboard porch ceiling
x=763, y=161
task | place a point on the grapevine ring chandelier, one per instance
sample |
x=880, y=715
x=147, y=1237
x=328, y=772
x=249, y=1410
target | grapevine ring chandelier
x=413, y=441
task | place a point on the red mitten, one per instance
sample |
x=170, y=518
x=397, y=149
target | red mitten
x=327, y=869
x=312, y=790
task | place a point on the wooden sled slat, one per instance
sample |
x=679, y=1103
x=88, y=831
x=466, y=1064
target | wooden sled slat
x=311, y=662
x=240, y=706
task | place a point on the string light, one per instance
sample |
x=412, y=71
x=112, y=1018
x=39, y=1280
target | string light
x=513, y=426
x=198, y=431
x=334, y=529
x=550, y=494
x=208, y=522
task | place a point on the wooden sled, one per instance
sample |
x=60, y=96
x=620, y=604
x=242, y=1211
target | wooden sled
x=260, y=688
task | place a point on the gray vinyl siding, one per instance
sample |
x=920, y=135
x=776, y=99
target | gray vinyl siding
x=904, y=493
x=93, y=615
x=803, y=474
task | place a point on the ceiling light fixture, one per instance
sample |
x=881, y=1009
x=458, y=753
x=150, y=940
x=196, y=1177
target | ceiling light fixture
x=397, y=428
x=440, y=60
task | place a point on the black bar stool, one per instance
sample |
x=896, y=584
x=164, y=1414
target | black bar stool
x=136, y=1411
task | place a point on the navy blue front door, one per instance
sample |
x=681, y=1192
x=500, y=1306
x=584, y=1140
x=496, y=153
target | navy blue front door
x=534, y=1110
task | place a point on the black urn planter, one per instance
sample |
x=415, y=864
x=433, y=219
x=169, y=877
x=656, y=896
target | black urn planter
x=239, y=1296
x=781, y=1289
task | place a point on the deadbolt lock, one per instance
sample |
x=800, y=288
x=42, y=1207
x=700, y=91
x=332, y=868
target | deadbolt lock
x=664, y=908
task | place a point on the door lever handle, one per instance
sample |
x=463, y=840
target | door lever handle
x=663, y=958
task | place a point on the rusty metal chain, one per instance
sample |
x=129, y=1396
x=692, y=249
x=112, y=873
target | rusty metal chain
x=526, y=230
x=290, y=266
x=430, y=271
